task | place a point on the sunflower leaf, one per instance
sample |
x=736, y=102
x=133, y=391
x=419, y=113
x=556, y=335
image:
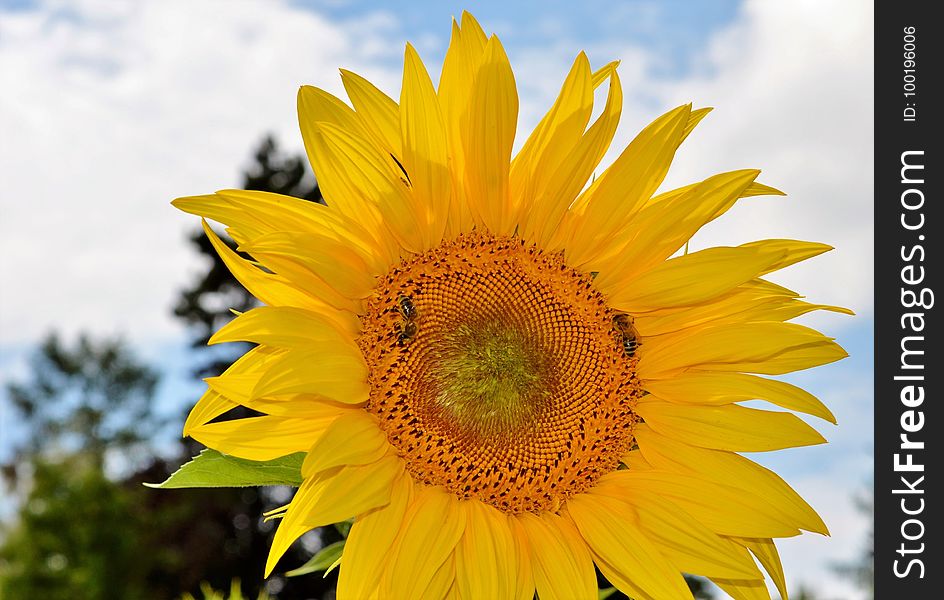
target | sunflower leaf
x=606, y=593
x=325, y=560
x=213, y=469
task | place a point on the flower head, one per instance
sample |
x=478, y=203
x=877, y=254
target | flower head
x=502, y=368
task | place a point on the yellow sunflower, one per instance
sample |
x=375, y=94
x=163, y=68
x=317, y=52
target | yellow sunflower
x=505, y=369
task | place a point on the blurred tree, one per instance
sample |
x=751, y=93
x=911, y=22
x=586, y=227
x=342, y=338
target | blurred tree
x=862, y=571
x=87, y=399
x=78, y=533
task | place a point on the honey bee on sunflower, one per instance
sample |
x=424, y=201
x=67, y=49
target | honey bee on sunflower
x=505, y=373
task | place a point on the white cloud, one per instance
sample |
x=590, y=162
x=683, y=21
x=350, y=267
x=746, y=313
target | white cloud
x=110, y=110
x=792, y=87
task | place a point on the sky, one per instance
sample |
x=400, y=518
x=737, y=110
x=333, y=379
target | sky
x=110, y=110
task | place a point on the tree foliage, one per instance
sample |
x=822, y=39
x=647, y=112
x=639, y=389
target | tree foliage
x=87, y=398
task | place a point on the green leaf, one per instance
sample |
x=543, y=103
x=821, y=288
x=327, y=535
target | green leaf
x=606, y=593
x=213, y=469
x=344, y=527
x=325, y=560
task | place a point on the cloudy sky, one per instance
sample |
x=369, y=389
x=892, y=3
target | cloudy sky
x=109, y=110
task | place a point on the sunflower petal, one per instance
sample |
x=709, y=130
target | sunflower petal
x=325, y=372
x=425, y=156
x=712, y=388
x=269, y=288
x=628, y=183
x=765, y=348
x=486, y=557
x=376, y=110
x=364, y=183
x=562, y=566
x=288, y=327
x=354, y=438
x=766, y=552
x=213, y=403
x=554, y=137
x=261, y=438
x=729, y=469
x=342, y=493
x=428, y=536
x=370, y=542
x=729, y=427
x=691, y=279
x=333, y=496
x=466, y=48
x=740, y=589
x=562, y=185
x=331, y=261
x=612, y=531
x=487, y=130
x=723, y=509
x=685, y=541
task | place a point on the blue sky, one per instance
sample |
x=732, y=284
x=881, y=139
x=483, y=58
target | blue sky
x=172, y=95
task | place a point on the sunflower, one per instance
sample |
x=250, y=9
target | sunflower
x=505, y=370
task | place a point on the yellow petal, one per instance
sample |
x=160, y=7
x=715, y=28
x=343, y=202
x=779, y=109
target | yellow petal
x=694, y=119
x=765, y=348
x=635, y=461
x=443, y=582
x=213, y=403
x=289, y=327
x=339, y=494
x=690, y=279
x=766, y=552
x=269, y=288
x=562, y=566
x=729, y=469
x=555, y=136
x=316, y=105
x=365, y=182
x=370, y=541
x=487, y=130
x=210, y=405
x=333, y=496
x=627, y=184
x=327, y=372
x=240, y=210
x=463, y=58
x=486, y=557
x=429, y=534
x=524, y=578
x=724, y=509
x=612, y=531
x=261, y=438
x=659, y=230
x=425, y=157
x=560, y=187
x=744, y=590
x=685, y=541
x=332, y=261
x=728, y=427
x=376, y=110
x=790, y=251
x=711, y=388
x=354, y=438
x=749, y=302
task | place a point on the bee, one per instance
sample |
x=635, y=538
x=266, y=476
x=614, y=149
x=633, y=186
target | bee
x=630, y=337
x=406, y=308
x=406, y=331
x=406, y=328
